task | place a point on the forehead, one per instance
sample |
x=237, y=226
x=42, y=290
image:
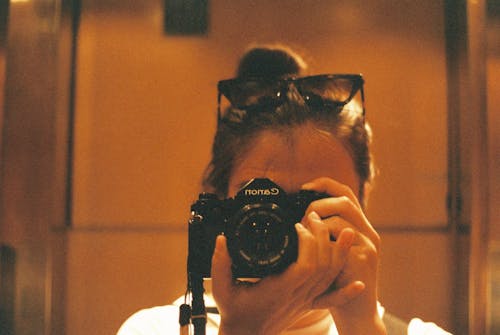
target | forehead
x=293, y=158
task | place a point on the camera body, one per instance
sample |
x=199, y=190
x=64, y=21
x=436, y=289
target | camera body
x=259, y=224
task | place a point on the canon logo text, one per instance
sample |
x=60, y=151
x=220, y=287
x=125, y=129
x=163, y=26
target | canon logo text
x=264, y=191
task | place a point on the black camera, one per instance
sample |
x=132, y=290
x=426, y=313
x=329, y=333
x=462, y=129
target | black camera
x=259, y=224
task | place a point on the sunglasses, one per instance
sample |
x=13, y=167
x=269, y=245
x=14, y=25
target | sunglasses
x=326, y=92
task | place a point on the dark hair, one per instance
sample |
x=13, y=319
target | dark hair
x=236, y=132
x=270, y=61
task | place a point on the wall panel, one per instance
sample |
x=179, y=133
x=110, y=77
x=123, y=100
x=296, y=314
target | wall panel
x=145, y=115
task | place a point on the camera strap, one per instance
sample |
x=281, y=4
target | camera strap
x=196, y=313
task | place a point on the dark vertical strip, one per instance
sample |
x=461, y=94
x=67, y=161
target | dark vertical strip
x=455, y=15
x=7, y=289
x=75, y=25
x=456, y=51
x=4, y=13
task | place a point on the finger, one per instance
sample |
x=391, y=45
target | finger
x=307, y=249
x=339, y=252
x=339, y=297
x=344, y=242
x=332, y=187
x=346, y=236
x=322, y=276
x=344, y=208
x=321, y=233
x=339, y=206
x=222, y=277
x=339, y=190
x=307, y=253
x=336, y=225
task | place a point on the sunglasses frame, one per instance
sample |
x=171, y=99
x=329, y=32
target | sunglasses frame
x=225, y=85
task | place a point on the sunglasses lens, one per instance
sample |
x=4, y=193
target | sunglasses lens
x=334, y=91
x=246, y=93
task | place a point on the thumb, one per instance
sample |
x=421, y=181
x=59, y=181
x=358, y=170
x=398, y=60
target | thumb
x=339, y=296
x=222, y=277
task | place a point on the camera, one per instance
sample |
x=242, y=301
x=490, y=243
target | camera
x=259, y=224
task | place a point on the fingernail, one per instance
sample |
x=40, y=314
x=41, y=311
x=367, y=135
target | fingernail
x=314, y=216
x=307, y=186
x=219, y=243
x=299, y=226
x=359, y=285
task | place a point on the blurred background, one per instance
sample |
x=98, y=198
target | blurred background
x=107, y=111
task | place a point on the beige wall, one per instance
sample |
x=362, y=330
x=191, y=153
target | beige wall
x=2, y=75
x=493, y=78
x=3, y=46
x=145, y=114
x=146, y=101
x=494, y=138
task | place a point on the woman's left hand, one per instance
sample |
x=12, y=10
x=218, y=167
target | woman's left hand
x=343, y=210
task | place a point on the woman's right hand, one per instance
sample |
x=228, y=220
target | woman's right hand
x=272, y=304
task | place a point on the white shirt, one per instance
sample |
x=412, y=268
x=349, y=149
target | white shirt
x=163, y=320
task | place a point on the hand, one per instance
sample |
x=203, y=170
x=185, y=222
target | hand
x=339, y=212
x=276, y=301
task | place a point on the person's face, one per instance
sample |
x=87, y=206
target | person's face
x=294, y=160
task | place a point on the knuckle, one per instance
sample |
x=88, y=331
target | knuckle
x=313, y=207
x=377, y=241
x=344, y=199
x=306, y=268
x=347, y=190
x=324, y=266
x=370, y=252
x=322, y=229
x=307, y=238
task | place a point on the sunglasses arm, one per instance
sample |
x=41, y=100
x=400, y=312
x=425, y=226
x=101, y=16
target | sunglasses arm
x=218, y=107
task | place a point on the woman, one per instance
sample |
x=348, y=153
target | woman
x=303, y=133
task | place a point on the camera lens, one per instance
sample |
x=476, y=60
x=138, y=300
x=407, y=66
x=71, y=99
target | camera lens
x=262, y=238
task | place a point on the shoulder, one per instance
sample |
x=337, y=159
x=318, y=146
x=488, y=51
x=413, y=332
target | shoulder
x=419, y=327
x=155, y=320
x=416, y=326
x=161, y=320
